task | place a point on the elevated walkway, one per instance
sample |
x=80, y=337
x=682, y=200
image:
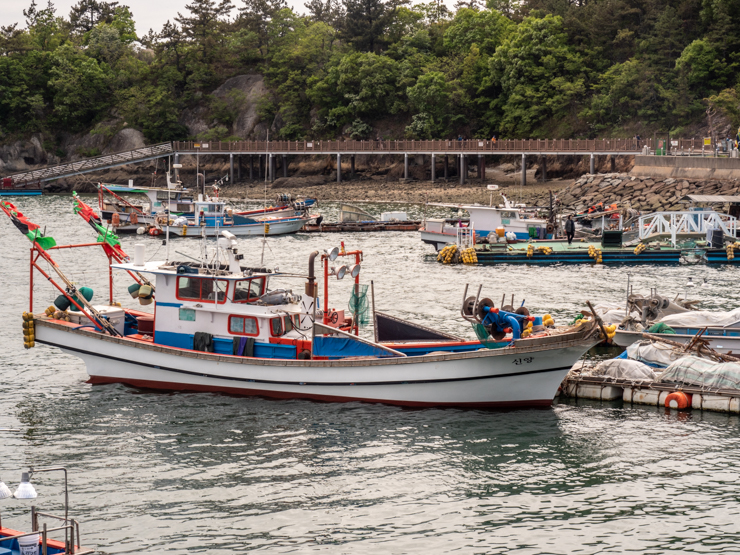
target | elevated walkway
x=25, y=180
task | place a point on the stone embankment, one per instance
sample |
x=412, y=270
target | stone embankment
x=651, y=194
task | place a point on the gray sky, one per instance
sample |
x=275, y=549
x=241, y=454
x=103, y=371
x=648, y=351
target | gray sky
x=148, y=14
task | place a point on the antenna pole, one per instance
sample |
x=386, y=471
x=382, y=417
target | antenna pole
x=167, y=215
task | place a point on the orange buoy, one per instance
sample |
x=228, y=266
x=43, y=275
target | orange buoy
x=678, y=400
x=153, y=231
x=115, y=219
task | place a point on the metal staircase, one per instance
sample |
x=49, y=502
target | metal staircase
x=22, y=180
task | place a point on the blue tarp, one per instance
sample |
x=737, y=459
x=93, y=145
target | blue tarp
x=341, y=347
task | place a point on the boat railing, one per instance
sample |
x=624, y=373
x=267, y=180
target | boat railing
x=465, y=236
x=676, y=223
x=71, y=531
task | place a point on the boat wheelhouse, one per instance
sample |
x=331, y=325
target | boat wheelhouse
x=485, y=221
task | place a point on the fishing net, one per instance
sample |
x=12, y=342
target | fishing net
x=482, y=335
x=359, y=305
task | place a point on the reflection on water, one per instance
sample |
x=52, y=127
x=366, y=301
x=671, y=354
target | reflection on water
x=153, y=472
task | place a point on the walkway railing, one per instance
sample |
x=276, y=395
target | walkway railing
x=88, y=165
x=675, y=223
x=409, y=146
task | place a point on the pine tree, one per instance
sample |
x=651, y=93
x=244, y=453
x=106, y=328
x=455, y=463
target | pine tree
x=204, y=23
x=366, y=23
x=255, y=16
x=86, y=14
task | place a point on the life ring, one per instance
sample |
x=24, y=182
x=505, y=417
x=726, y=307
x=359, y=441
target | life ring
x=134, y=218
x=115, y=219
x=550, y=228
x=678, y=400
x=154, y=231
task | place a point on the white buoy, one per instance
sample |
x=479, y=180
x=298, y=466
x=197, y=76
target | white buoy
x=140, y=230
x=139, y=254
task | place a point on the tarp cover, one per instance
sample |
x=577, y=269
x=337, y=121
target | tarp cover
x=691, y=370
x=390, y=328
x=341, y=347
x=701, y=318
x=611, y=313
x=625, y=369
x=658, y=355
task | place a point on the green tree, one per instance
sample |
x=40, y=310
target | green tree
x=429, y=96
x=367, y=22
x=204, y=24
x=86, y=14
x=361, y=85
x=80, y=89
x=540, y=76
x=487, y=28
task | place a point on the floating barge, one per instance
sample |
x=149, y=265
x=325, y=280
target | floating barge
x=336, y=227
x=580, y=253
x=601, y=388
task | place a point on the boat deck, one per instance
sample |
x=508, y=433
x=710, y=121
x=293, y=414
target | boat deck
x=575, y=253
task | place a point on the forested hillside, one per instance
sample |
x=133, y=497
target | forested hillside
x=539, y=68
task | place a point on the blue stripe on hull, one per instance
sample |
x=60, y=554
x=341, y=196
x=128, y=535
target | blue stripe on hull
x=12, y=193
x=225, y=346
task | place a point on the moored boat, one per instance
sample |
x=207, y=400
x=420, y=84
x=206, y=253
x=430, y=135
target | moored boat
x=183, y=210
x=508, y=221
x=219, y=327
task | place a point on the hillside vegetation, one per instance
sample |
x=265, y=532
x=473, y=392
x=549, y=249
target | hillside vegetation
x=539, y=68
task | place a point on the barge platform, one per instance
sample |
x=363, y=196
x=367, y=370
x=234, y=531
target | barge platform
x=637, y=392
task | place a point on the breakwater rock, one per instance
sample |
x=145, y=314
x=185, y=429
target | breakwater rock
x=653, y=194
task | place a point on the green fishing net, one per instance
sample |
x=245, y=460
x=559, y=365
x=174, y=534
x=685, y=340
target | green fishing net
x=359, y=305
x=482, y=335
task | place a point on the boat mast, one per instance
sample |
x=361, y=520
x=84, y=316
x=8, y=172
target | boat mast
x=264, y=206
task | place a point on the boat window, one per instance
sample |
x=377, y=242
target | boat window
x=511, y=215
x=248, y=290
x=201, y=289
x=276, y=327
x=243, y=325
x=287, y=324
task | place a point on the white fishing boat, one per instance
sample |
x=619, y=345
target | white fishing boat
x=504, y=222
x=219, y=327
x=183, y=209
x=720, y=339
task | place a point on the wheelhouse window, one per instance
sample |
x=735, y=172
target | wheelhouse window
x=201, y=289
x=290, y=323
x=276, y=327
x=243, y=325
x=248, y=290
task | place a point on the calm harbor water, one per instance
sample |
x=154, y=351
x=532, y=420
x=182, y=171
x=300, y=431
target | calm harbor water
x=187, y=473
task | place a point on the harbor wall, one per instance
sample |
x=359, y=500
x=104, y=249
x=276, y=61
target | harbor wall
x=647, y=193
x=695, y=167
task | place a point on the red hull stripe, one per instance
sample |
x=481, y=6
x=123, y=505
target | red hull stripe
x=169, y=386
x=322, y=384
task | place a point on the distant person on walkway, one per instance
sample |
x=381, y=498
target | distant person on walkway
x=493, y=139
x=570, y=229
x=459, y=138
